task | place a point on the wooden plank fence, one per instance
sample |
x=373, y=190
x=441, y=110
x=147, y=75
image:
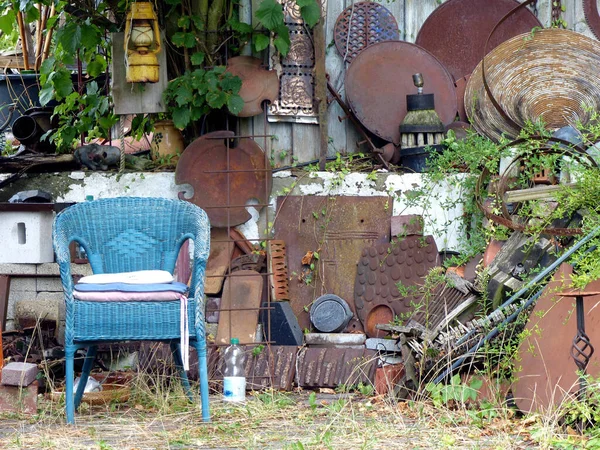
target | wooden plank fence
x=299, y=142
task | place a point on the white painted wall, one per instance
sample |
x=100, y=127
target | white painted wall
x=435, y=211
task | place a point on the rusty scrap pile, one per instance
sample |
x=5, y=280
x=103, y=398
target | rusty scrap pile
x=361, y=293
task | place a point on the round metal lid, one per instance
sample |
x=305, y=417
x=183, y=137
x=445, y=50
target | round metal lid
x=456, y=31
x=380, y=77
x=330, y=314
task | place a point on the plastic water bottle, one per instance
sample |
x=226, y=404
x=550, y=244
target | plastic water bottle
x=234, y=378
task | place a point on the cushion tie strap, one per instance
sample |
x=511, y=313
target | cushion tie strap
x=184, y=333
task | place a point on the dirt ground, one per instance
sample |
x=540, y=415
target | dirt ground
x=266, y=421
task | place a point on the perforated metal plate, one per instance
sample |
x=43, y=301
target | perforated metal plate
x=363, y=24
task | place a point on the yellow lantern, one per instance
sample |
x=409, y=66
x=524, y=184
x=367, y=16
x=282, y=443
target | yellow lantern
x=142, y=43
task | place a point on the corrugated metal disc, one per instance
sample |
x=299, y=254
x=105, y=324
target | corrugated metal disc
x=550, y=75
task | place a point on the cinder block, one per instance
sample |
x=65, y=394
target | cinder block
x=26, y=237
x=52, y=269
x=8, y=269
x=10, y=325
x=23, y=284
x=18, y=400
x=49, y=285
x=19, y=374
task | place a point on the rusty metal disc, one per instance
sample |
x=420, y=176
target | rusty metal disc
x=258, y=84
x=457, y=30
x=204, y=166
x=550, y=75
x=461, y=85
x=380, y=77
x=590, y=12
x=363, y=24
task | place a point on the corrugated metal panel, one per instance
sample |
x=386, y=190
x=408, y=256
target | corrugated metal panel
x=332, y=367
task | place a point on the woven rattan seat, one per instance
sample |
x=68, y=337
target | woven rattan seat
x=125, y=235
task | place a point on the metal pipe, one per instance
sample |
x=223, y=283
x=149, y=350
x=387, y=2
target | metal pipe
x=539, y=277
x=511, y=300
x=492, y=334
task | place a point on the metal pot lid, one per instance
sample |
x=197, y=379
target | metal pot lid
x=551, y=75
x=456, y=31
x=380, y=77
x=330, y=314
x=203, y=165
x=363, y=24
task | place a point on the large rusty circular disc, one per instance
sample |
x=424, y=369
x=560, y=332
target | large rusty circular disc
x=457, y=30
x=379, y=79
x=551, y=76
x=258, y=84
x=363, y=24
x=203, y=165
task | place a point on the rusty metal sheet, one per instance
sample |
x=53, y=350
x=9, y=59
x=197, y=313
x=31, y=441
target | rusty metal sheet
x=547, y=372
x=550, y=76
x=258, y=84
x=278, y=269
x=332, y=367
x=363, y=24
x=241, y=242
x=380, y=77
x=204, y=164
x=456, y=31
x=4, y=293
x=274, y=367
x=338, y=228
x=382, y=269
x=221, y=249
x=239, y=306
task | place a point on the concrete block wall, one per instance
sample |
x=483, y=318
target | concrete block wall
x=35, y=297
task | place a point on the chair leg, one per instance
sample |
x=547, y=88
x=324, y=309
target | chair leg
x=88, y=365
x=203, y=372
x=69, y=404
x=176, y=350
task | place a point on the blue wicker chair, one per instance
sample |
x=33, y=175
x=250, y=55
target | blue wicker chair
x=123, y=235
